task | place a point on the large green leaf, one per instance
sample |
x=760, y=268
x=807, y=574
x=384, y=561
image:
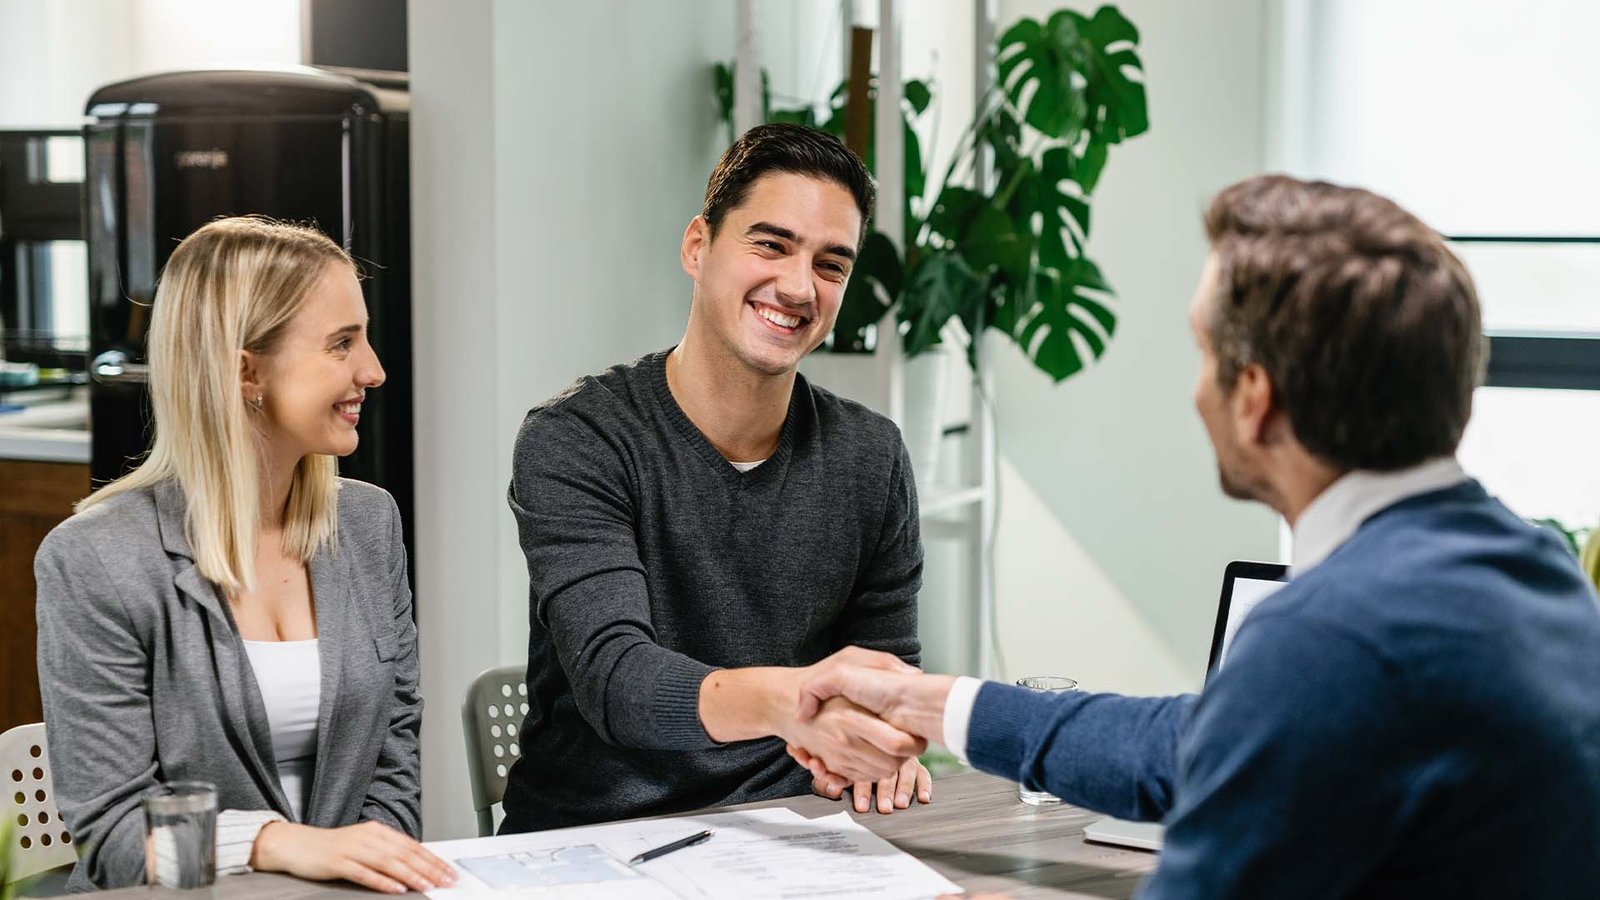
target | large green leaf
x=1086, y=171
x=955, y=208
x=874, y=286
x=982, y=232
x=1002, y=133
x=992, y=243
x=1073, y=74
x=1063, y=316
x=941, y=286
x=1063, y=215
x=1116, y=99
x=1046, y=58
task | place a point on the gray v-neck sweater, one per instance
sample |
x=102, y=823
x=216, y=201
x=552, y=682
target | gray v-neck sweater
x=653, y=561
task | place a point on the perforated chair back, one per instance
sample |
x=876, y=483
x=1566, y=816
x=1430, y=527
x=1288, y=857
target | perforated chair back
x=39, y=839
x=491, y=716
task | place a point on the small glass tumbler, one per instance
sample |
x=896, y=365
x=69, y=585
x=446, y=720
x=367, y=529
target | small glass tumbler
x=1044, y=684
x=180, y=847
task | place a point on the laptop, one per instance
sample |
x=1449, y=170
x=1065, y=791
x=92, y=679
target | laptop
x=1244, y=585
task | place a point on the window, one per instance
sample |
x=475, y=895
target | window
x=1480, y=118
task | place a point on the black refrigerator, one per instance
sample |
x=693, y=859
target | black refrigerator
x=168, y=153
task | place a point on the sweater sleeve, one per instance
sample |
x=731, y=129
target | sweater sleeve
x=95, y=682
x=575, y=520
x=1113, y=754
x=394, y=796
x=236, y=838
x=882, y=611
x=1285, y=788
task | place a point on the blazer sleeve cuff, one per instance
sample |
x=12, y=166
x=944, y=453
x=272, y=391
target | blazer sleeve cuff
x=236, y=837
x=997, y=732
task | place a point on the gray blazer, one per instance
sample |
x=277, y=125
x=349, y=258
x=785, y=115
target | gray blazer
x=145, y=679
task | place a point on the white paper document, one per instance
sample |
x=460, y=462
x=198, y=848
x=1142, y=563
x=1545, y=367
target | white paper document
x=767, y=853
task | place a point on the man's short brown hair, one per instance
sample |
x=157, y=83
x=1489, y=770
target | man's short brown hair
x=785, y=147
x=1365, y=322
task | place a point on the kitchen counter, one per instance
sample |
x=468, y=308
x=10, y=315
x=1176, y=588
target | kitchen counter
x=55, y=431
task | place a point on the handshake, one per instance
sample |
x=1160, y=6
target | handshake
x=860, y=719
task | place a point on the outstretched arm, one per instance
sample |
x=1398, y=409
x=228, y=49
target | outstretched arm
x=1102, y=751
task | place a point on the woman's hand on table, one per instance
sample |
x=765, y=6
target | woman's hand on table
x=370, y=854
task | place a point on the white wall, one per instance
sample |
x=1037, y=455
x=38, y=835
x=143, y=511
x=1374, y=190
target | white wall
x=558, y=152
x=54, y=53
x=1113, y=534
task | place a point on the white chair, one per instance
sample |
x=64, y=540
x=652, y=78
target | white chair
x=491, y=713
x=39, y=839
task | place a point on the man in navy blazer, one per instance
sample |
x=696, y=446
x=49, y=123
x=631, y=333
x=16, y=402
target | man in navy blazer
x=1417, y=713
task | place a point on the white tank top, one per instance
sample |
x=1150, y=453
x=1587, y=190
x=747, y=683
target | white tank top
x=289, y=674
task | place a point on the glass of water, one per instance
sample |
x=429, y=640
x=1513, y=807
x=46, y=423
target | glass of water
x=180, y=848
x=1044, y=684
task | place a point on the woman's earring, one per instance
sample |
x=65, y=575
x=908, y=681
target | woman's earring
x=257, y=402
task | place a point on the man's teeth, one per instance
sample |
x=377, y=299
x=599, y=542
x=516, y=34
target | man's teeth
x=778, y=318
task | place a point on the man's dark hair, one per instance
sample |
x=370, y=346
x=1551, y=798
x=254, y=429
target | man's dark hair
x=1366, y=323
x=789, y=148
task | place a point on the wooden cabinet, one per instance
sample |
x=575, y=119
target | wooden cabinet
x=34, y=497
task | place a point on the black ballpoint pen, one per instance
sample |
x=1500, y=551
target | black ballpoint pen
x=664, y=849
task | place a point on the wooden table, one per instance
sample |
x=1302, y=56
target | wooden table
x=975, y=833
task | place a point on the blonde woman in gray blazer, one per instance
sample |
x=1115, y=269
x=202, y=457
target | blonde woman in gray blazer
x=232, y=611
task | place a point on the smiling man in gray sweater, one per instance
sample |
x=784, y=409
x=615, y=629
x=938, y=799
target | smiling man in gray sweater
x=704, y=528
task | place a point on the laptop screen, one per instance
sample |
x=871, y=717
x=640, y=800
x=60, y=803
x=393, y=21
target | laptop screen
x=1244, y=586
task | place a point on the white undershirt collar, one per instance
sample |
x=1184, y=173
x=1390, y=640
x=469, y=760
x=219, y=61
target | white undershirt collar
x=1329, y=521
x=1340, y=509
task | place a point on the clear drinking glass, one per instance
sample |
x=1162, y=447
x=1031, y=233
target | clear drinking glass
x=181, y=834
x=1044, y=684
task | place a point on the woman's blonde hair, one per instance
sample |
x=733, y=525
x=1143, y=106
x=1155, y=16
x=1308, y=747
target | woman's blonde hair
x=233, y=285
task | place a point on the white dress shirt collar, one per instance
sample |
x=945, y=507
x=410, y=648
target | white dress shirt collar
x=1329, y=521
x=1340, y=509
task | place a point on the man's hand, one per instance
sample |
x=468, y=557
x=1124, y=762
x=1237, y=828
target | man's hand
x=903, y=697
x=370, y=854
x=748, y=703
x=910, y=701
x=894, y=793
x=858, y=745
x=858, y=658
x=844, y=772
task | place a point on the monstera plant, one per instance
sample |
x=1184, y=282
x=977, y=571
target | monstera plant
x=1008, y=252
x=1583, y=542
